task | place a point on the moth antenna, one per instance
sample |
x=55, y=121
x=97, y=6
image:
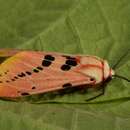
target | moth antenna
x=120, y=59
x=121, y=77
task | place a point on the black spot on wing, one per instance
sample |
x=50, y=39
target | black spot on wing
x=65, y=67
x=28, y=72
x=25, y=94
x=92, y=79
x=15, y=77
x=35, y=70
x=67, y=85
x=69, y=57
x=21, y=75
x=39, y=68
x=1, y=82
x=33, y=87
x=7, y=81
x=46, y=63
x=49, y=57
x=5, y=72
x=71, y=62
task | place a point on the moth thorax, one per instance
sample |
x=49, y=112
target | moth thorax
x=93, y=60
x=92, y=66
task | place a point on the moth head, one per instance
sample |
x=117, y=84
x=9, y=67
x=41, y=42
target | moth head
x=96, y=68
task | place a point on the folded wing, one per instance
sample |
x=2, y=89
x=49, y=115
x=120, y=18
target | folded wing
x=29, y=72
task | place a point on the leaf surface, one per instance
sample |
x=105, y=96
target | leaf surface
x=71, y=26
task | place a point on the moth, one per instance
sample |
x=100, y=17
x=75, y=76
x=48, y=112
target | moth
x=24, y=73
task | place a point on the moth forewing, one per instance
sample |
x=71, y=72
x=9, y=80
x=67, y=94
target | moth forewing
x=32, y=72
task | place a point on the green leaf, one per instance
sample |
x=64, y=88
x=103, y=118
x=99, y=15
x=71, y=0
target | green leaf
x=98, y=28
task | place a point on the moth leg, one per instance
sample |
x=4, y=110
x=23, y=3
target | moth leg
x=102, y=93
x=102, y=87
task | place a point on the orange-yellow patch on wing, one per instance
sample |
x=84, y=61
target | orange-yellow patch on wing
x=8, y=52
